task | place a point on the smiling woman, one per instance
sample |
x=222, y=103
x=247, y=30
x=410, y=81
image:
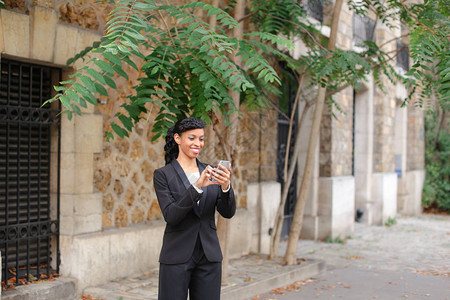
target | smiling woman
x=190, y=144
x=190, y=254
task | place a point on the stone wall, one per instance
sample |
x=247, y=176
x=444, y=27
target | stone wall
x=342, y=138
x=87, y=14
x=384, y=113
x=123, y=171
x=258, y=145
x=415, y=139
x=336, y=132
x=124, y=175
x=325, y=144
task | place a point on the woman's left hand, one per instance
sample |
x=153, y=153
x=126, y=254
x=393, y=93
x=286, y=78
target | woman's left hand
x=222, y=176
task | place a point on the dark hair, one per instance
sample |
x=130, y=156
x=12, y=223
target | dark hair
x=171, y=147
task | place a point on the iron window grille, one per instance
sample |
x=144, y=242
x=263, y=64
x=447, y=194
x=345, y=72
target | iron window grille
x=29, y=144
x=403, y=56
x=286, y=105
x=314, y=9
x=363, y=29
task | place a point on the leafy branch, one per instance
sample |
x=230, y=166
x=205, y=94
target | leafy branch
x=186, y=64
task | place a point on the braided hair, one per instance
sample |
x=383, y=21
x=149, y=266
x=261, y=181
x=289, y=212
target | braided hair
x=171, y=147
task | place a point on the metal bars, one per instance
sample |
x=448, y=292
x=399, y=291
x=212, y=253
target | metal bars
x=363, y=29
x=286, y=104
x=403, y=56
x=29, y=137
x=314, y=8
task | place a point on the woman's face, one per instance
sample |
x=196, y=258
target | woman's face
x=190, y=142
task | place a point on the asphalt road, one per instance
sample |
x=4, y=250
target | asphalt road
x=409, y=260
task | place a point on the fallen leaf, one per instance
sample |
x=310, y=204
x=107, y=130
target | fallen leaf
x=355, y=257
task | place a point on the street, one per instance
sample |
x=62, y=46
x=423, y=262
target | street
x=408, y=260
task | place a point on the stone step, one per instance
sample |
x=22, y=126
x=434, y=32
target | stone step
x=62, y=288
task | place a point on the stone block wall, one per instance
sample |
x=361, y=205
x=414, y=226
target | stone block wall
x=124, y=176
x=384, y=113
x=86, y=14
x=342, y=137
x=415, y=139
x=258, y=145
x=325, y=144
x=123, y=170
x=336, y=133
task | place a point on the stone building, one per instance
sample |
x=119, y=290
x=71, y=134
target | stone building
x=109, y=223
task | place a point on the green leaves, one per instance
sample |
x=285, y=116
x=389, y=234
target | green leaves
x=428, y=25
x=187, y=67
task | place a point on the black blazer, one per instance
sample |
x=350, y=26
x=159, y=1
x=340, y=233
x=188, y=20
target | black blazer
x=185, y=218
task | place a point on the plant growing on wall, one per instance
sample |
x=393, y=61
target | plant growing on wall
x=187, y=63
x=195, y=68
x=191, y=67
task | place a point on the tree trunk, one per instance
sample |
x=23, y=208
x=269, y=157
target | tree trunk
x=296, y=227
x=276, y=233
x=222, y=223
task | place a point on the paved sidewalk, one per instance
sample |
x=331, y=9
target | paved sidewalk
x=396, y=254
x=410, y=259
x=248, y=275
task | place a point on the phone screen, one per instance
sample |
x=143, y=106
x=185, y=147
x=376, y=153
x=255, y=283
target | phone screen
x=225, y=163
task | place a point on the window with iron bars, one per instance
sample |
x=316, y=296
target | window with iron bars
x=403, y=56
x=363, y=29
x=29, y=183
x=314, y=8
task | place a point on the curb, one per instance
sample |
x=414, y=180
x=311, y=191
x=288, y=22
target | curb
x=63, y=288
x=306, y=270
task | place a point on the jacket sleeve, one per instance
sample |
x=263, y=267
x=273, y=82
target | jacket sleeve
x=226, y=203
x=174, y=204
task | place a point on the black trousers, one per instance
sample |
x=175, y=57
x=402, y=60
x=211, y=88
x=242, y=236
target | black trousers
x=201, y=277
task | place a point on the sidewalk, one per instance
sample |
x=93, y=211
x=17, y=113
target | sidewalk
x=248, y=276
x=410, y=259
x=414, y=247
x=412, y=254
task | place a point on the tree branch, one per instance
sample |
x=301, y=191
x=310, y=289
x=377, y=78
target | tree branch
x=303, y=29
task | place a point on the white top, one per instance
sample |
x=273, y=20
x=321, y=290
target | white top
x=193, y=177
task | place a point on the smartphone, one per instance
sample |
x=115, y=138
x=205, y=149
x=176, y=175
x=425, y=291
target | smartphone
x=225, y=163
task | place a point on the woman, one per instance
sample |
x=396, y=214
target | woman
x=188, y=193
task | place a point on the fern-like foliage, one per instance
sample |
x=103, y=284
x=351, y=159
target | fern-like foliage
x=187, y=65
x=428, y=24
x=429, y=47
x=188, y=71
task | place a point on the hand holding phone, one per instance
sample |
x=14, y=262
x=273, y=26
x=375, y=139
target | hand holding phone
x=224, y=163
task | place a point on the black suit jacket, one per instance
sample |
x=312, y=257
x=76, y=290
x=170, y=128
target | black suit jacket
x=186, y=220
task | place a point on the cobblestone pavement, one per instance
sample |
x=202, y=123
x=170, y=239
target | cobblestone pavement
x=410, y=259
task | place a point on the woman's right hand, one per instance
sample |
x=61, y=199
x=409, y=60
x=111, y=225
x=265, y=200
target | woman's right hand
x=205, y=178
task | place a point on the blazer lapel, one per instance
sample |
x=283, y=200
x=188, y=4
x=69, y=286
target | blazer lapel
x=181, y=173
x=201, y=167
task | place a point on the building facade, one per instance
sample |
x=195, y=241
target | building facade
x=102, y=216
